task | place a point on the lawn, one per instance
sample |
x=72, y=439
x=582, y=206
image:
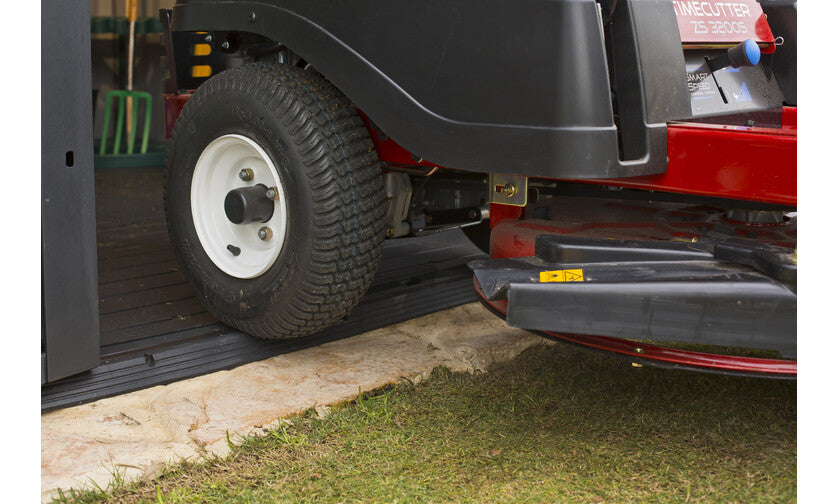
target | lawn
x=557, y=424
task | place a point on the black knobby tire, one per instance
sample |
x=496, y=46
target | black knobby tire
x=331, y=177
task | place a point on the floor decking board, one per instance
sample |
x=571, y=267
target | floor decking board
x=153, y=330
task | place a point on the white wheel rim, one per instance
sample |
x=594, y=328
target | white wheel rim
x=216, y=173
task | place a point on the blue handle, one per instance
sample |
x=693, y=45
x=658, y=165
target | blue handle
x=746, y=53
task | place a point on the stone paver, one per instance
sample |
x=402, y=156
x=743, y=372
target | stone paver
x=138, y=433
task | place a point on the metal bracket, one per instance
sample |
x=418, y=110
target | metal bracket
x=507, y=189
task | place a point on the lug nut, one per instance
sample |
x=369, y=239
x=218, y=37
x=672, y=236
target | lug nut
x=246, y=174
x=225, y=45
x=272, y=193
x=264, y=233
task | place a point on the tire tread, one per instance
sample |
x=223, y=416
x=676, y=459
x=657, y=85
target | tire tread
x=344, y=175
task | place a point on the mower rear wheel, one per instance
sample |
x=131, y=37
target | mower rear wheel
x=274, y=200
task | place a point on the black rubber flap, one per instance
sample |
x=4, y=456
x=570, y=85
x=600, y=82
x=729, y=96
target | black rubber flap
x=728, y=313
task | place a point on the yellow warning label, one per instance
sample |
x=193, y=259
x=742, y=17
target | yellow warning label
x=571, y=275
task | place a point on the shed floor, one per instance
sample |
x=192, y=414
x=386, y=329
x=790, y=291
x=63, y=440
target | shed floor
x=153, y=330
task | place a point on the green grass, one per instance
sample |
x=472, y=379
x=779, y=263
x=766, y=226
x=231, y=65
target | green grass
x=557, y=424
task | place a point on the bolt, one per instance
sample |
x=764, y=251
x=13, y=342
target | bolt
x=639, y=350
x=264, y=233
x=508, y=190
x=225, y=45
x=246, y=174
x=473, y=214
x=389, y=232
x=208, y=38
x=272, y=193
x=252, y=17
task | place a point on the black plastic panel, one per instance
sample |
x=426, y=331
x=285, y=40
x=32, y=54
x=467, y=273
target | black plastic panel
x=731, y=313
x=782, y=16
x=648, y=76
x=68, y=234
x=482, y=85
x=729, y=90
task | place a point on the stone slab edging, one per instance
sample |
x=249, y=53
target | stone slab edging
x=139, y=433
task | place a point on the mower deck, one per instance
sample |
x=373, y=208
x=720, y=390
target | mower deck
x=659, y=356
x=616, y=274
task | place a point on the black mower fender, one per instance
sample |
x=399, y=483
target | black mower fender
x=488, y=85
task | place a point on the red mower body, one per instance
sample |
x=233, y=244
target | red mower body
x=636, y=145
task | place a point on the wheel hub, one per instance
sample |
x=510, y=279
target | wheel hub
x=240, y=220
x=244, y=205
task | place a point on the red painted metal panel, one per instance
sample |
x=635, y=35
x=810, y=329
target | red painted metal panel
x=390, y=151
x=738, y=162
x=172, y=106
x=789, y=118
x=711, y=23
x=498, y=213
x=629, y=220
